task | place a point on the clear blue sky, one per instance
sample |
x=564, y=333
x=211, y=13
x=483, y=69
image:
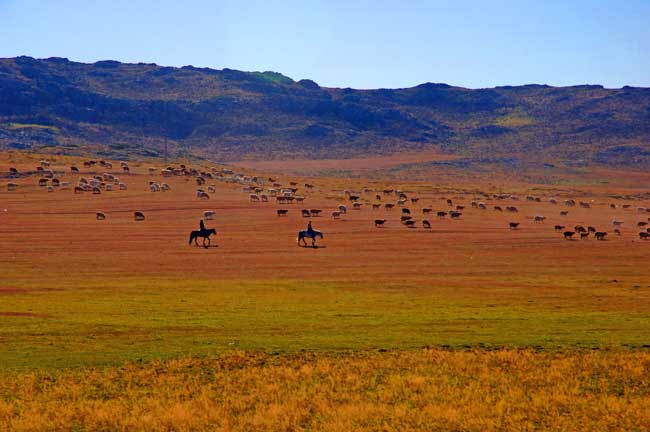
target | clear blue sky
x=360, y=44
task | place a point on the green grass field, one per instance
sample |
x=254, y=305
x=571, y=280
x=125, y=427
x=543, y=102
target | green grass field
x=94, y=322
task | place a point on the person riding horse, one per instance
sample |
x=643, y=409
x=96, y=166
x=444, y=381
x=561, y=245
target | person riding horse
x=310, y=233
x=203, y=233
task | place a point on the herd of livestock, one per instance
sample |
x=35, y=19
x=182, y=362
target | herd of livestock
x=263, y=190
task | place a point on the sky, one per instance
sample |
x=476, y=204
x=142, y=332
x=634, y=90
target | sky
x=358, y=44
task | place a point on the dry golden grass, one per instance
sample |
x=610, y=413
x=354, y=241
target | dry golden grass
x=399, y=390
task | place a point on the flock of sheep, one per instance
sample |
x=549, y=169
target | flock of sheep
x=263, y=190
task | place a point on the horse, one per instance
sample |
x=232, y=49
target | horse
x=205, y=234
x=302, y=235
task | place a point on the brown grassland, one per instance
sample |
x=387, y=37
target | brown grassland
x=120, y=325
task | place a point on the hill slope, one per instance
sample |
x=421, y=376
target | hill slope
x=127, y=109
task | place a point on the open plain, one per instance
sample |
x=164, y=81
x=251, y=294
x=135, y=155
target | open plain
x=465, y=305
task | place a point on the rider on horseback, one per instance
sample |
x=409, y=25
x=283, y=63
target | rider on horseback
x=310, y=229
x=201, y=226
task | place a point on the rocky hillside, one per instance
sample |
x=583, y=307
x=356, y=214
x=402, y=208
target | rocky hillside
x=125, y=110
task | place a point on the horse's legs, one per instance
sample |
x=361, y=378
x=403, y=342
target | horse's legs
x=204, y=242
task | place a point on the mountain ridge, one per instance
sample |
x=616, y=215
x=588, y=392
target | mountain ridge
x=129, y=109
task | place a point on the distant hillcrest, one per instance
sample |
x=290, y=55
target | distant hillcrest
x=124, y=110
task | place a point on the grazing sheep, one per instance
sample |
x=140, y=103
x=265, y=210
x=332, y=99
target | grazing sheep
x=406, y=211
x=379, y=223
x=426, y=224
x=282, y=212
x=455, y=214
x=79, y=189
x=460, y=208
x=539, y=219
x=568, y=235
x=513, y=225
x=138, y=216
x=209, y=214
x=389, y=206
x=512, y=209
x=591, y=229
x=343, y=209
x=100, y=216
x=441, y=214
x=600, y=235
x=122, y=186
x=202, y=195
x=96, y=190
x=559, y=227
x=154, y=187
x=405, y=218
x=11, y=186
x=564, y=213
x=376, y=206
x=427, y=210
x=356, y=206
x=643, y=235
x=410, y=223
x=315, y=212
x=305, y=213
x=584, y=235
x=336, y=214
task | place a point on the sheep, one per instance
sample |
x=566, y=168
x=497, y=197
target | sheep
x=455, y=214
x=154, y=187
x=212, y=189
x=512, y=209
x=315, y=212
x=282, y=212
x=138, y=216
x=356, y=206
x=643, y=235
x=305, y=213
x=539, y=219
x=441, y=214
x=568, y=235
x=202, y=195
x=79, y=189
x=209, y=214
x=600, y=235
x=389, y=206
x=100, y=216
x=42, y=182
x=426, y=224
x=343, y=209
x=414, y=200
x=410, y=223
x=406, y=211
x=376, y=206
x=165, y=187
x=513, y=225
x=559, y=227
x=584, y=235
x=564, y=213
x=498, y=208
x=109, y=188
x=336, y=214
x=12, y=186
x=96, y=190
x=427, y=210
x=122, y=186
x=379, y=223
